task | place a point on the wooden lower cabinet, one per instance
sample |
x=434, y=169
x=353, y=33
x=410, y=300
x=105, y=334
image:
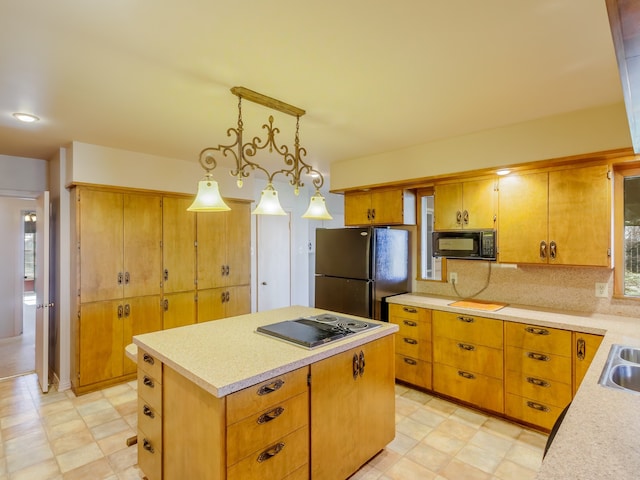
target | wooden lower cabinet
x=320, y=421
x=539, y=373
x=585, y=346
x=178, y=309
x=217, y=303
x=468, y=359
x=352, y=408
x=413, y=344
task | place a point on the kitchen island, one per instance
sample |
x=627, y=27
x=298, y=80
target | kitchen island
x=219, y=400
x=598, y=436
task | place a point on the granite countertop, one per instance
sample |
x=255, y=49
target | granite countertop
x=598, y=437
x=224, y=356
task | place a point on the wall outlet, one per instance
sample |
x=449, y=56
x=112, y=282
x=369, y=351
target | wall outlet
x=602, y=290
x=453, y=277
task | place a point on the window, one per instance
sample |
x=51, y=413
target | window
x=627, y=232
x=431, y=268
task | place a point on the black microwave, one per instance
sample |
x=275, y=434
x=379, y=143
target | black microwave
x=465, y=244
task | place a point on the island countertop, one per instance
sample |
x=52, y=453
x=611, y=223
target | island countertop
x=224, y=356
x=598, y=437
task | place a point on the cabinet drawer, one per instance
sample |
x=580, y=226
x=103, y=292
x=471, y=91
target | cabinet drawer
x=538, y=389
x=149, y=364
x=149, y=418
x=480, y=390
x=539, y=339
x=469, y=357
x=275, y=461
x=415, y=347
x=405, y=312
x=263, y=395
x=150, y=389
x=532, y=412
x=301, y=473
x=266, y=427
x=413, y=371
x=150, y=455
x=468, y=328
x=539, y=364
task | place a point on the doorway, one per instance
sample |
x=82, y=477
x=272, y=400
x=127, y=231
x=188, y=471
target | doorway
x=17, y=315
x=273, y=261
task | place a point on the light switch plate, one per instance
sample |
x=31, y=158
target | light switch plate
x=602, y=290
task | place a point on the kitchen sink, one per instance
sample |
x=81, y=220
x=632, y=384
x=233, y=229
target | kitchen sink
x=630, y=354
x=622, y=370
x=626, y=376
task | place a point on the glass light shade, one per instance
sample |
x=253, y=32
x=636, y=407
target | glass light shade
x=208, y=198
x=269, y=203
x=317, y=209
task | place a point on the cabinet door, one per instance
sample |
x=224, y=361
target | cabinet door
x=141, y=315
x=179, y=309
x=142, y=249
x=387, y=207
x=479, y=203
x=522, y=217
x=101, y=245
x=447, y=210
x=100, y=341
x=357, y=207
x=585, y=346
x=334, y=428
x=178, y=245
x=211, y=304
x=239, y=301
x=579, y=216
x=237, y=244
x=211, y=251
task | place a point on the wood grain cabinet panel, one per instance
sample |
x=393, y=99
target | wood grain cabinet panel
x=178, y=245
x=413, y=344
x=559, y=217
x=585, y=346
x=380, y=207
x=465, y=205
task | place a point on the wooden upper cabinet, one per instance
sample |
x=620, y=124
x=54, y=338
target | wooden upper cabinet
x=465, y=205
x=223, y=247
x=560, y=217
x=119, y=239
x=383, y=207
x=178, y=245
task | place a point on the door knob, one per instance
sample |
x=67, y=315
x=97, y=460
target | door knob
x=264, y=283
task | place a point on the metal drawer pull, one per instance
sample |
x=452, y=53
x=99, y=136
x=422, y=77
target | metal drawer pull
x=272, y=452
x=270, y=387
x=467, y=375
x=271, y=415
x=410, y=341
x=362, y=362
x=148, y=359
x=409, y=310
x=148, y=381
x=410, y=361
x=467, y=347
x=148, y=412
x=466, y=319
x=537, y=406
x=537, y=382
x=409, y=323
x=537, y=331
x=146, y=444
x=538, y=356
x=581, y=349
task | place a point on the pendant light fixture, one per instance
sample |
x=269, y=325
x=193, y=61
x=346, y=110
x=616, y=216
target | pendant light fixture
x=242, y=152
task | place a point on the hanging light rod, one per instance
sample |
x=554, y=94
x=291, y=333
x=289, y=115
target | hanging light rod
x=208, y=197
x=268, y=102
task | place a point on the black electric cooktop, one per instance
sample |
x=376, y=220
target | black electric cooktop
x=317, y=330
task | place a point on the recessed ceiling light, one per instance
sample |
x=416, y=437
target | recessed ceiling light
x=26, y=117
x=503, y=172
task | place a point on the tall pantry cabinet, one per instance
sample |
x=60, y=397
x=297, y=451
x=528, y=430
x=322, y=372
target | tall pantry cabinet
x=137, y=267
x=119, y=258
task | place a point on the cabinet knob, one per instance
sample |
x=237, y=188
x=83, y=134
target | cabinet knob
x=355, y=365
x=537, y=406
x=146, y=444
x=270, y=387
x=148, y=382
x=409, y=361
x=537, y=382
x=270, y=415
x=465, y=319
x=467, y=375
x=362, y=363
x=465, y=217
x=543, y=249
x=552, y=250
x=146, y=410
x=409, y=323
x=148, y=359
x=410, y=341
x=466, y=346
x=458, y=217
x=537, y=331
x=538, y=356
x=271, y=452
x=581, y=349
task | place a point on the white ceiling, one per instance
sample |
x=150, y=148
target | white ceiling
x=373, y=75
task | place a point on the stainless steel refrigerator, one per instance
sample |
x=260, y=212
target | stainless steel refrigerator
x=357, y=268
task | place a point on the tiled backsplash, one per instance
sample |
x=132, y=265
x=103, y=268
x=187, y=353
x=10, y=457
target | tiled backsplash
x=561, y=288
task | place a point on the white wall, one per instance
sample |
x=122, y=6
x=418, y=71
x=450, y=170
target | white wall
x=586, y=131
x=12, y=258
x=22, y=177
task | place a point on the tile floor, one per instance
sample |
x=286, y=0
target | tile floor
x=61, y=436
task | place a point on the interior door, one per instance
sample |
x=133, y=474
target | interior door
x=43, y=304
x=274, y=261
